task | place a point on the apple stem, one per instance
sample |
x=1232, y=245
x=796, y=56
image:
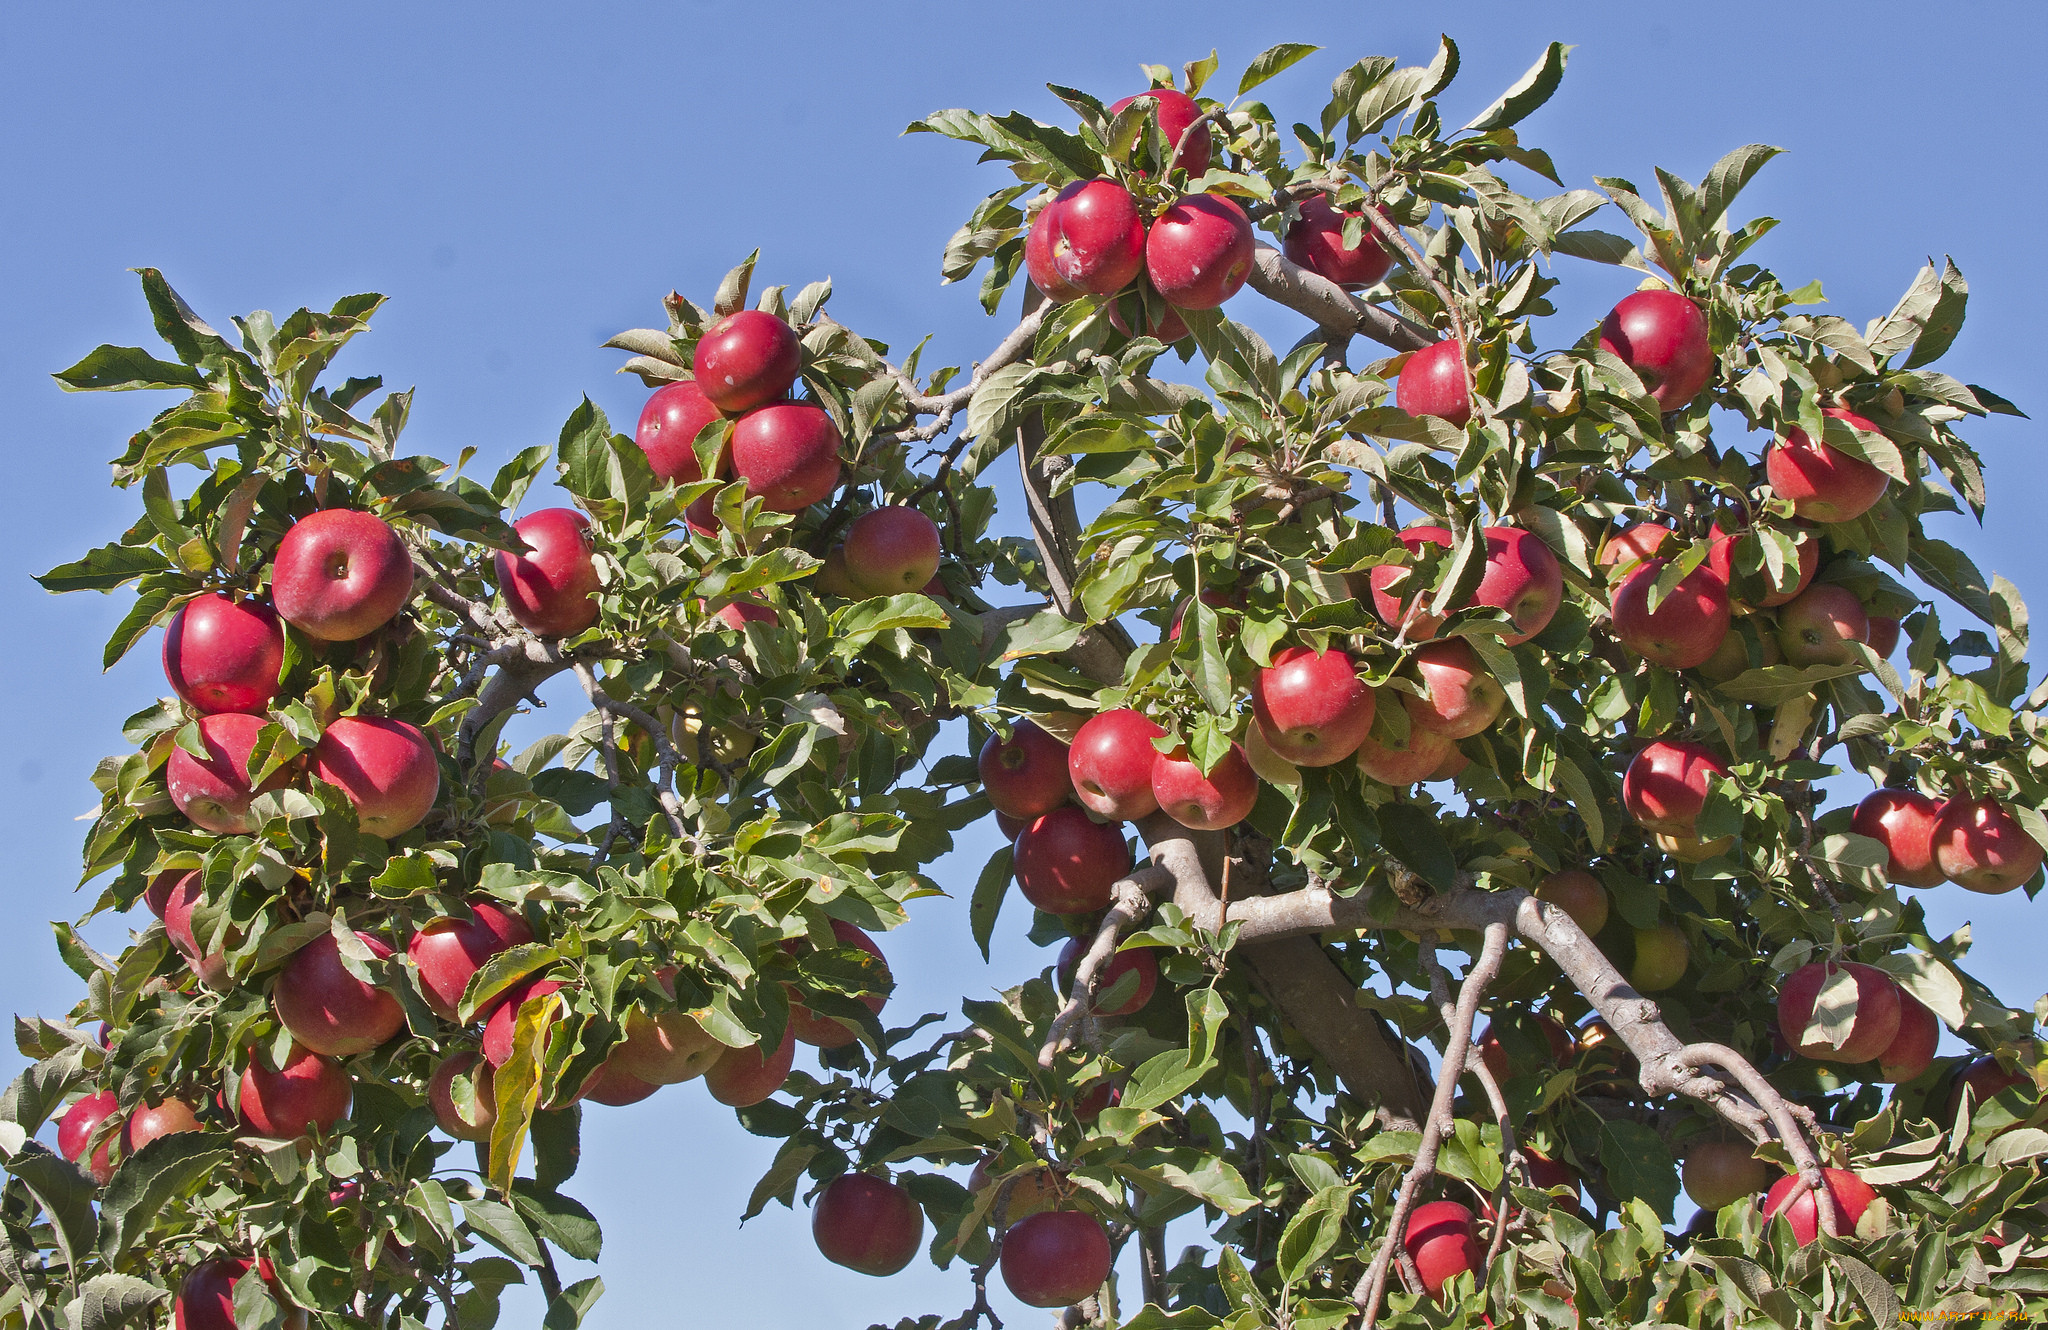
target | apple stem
x=1131, y=900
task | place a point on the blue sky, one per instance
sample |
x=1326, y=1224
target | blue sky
x=525, y=179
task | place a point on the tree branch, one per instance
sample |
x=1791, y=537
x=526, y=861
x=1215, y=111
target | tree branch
x=1131, y=899
x=1330, y=305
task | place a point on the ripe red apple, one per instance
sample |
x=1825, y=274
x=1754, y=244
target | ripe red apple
x=1524, y=1035
x=867, y=1224
x=744, y=1076
x=150, y=1121
x=223, y=654
x=1662, y=336
x=668, y=429
x=1027, y=776
x=1733, y=659
x=1717, y=1174
x=1522, y=577
x=1055, y=1258
x=309, y=1093
x=75, y=1129
x=1222, y=798
x=448, y=951
x=1685, y=629
x=1822, y=625
x=1824, y=484
x=1911, y=1050
x=1110, y=764
x=1666, y=785
x=552, y=588
x=1579, y=894
x=157, y=894
x=1983, y=848
x=788, y=454
x=1045, y=275
x=340, y=575
x=1435, y=382
x=1661, y=955
x=1985, y=1078
x=1848, y=1194
x=1903, y=822
x=1175, y=111
x=1724, y=546
x=1416, y=758
x=502, y=1024
x=892, y=550
x=211, y=967
x=1397, y=606
x=665, y=1047
x=1012, y=827
x=737, y=614
x=1312, y=707
x=1874, y=1024
x=1632, y=545
x=329, y=1010
x=614, y=1088
x=476, y=1124
x=824, y=1031
x=1066, y=862
x=1199, y=252
x=1316, y=242
x=1167, y=327
x=747, y=358
x=1089, y=1105
x=1094, y=240
x=1139, y=961
x=1884, y=635
x=215, y=793
x=1463, y=698
x=385, y=767
x=1439, y=1240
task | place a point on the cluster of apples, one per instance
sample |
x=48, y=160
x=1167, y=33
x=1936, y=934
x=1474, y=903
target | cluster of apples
x=787, y=452
x=1890, y=1026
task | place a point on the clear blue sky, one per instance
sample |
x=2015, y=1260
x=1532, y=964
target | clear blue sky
x=526, y=179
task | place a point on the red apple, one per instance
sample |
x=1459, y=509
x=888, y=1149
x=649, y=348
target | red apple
x=1199, y=252
x=1719, y=1173
x=1985, y=1078
x=1522, y=577
x=476, y=1124
x=615, y=1088
x=1312, y=707
x=1055, y=1258
x=1724, y=546
x=1687, y=627
x=211, y=967
x=448, y=951
x=1666, y=785
x=1733, y=659
x=1463, y=698
x=1167, y=327
x=1066, y=862
x=825, y=1031
x=502, y=1024
x=1873, y=1024
x=1981, y=847
x=1822, y=626
x=747, y=358
x=1222, y=798
x=1094, y=1099
x=1884, y=635
x=1903, y=822
x=1416, y=758
x=552, y=588
x=1439, y=1240
x=1038, y=243
x=1316, y=242
x=385, y=767
x=1139, y=961
x=340, y=575
x=223, y=654
x=329, y=1010
x=157, y=895
x=1012, y=827
x=1632, y=545
x=1662, y=336
x=788, y=454
x=1094, y=239
x=1395, y=605
x=1435, y=382
x=309, y=1093
x=150, y=1121
x=1823, y=484
x=665, y=1047
x=1579, y=894
x=737, y=614
x=1027, y=776
x=668, y=429
x=867, y=1224
x=1848, y=1194
x=1110, y=764
x=215, y=793
x=1911, y=1050
x=75, y=1129
x=1176, y=111
x=745, y=1076
x=892, y=550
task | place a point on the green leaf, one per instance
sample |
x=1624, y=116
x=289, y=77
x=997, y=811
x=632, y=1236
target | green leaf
x=1773, y=684
x=781, y=1178
x=559, y=1219
x=111, y=1300
x=1639, y=1165
x=147, y=1180
x=65, y=1193
x=990, y=889
x=1212, y=1178
x=1272, y=61
x=150, y=606
x=1529, y=92
x=104, y=569
x=585, y=450
x=567, y=1311
x=124, y=369
x=1313, y=1231
x=518, y=1087
x=500, y=1225
x=1727, y=177
x=1857, y=861
x=732, y=289
x=1415, y=836
x=1872, y=1289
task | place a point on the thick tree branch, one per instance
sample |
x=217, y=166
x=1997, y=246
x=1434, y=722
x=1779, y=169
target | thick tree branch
x=1330, y=305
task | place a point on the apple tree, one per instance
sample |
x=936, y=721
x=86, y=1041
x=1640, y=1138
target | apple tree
x=1413, y=737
